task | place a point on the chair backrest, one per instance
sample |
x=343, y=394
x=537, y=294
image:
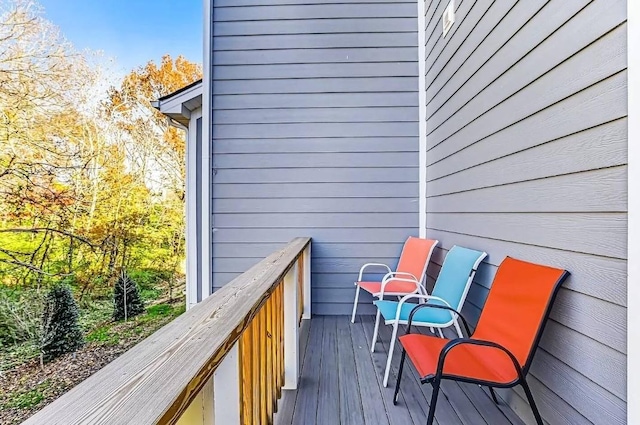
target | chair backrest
x=518, y=306
x=457, y=272
x=415, y=256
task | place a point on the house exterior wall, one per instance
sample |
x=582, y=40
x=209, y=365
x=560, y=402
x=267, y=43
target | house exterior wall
x=315, y=133
x=526, y=157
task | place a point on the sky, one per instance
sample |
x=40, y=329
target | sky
x=132, y=32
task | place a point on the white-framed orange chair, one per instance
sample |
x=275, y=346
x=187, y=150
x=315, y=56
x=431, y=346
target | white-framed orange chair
x=407, y=279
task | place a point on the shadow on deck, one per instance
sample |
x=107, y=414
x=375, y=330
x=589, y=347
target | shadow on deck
x=341, y=383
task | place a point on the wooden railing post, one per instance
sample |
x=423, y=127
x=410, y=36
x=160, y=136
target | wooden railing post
x=226, y=389
x=291, y=355
x=306, y=261
x=201, y=409
x=219, y=401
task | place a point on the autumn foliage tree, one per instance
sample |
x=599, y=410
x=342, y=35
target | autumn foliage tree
x=91, y=177
x=44, y=87
x=155, y=151
x=156, y=144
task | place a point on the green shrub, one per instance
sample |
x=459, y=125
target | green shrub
x=61, y=331
x=126, y=299
x=20, y=313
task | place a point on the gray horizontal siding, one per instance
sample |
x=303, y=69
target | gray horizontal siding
x=316, y=159
x=318, y=175
x=527, y=157
x=322, y=249
x=321, y=190
x=315, y=11
x=561, y=194
x=316, y=70
x=316, y=145
x=315, y=133
x=314, y=220
x=606, y=142
x=313, y=85
x=297, y=130
x=325, y=115
x=315, y=26
x=316, y=41
x=314, y=206
x=318, y=100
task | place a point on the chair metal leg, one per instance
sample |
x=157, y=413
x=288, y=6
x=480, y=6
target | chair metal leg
x=493, y=395
x=458, y=330
x=434, y=400
x=440, y=333
x=390, y=356
x=532, y=402
x=397, y=391
x=355, y=305
x=375, y=332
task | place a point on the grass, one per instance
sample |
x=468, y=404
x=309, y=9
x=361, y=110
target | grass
x=148, y=294
x=160, y=310
x=115, y=333
x=94, y=313
x=103, y=335
x=17, y=354
x=26, y=399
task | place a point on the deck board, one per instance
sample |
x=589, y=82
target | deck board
x=306, y=406
x=351, y=411
x=373, y=408
x=414, y=401
x=398, y=415
x=329, y=405
x=287, y=401
x=341, y=383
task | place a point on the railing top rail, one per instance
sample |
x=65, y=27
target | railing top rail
x=155, y=381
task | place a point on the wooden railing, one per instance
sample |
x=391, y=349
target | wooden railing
x=224, y=361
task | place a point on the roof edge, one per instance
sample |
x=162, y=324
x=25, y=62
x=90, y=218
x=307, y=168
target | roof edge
x=182, y=90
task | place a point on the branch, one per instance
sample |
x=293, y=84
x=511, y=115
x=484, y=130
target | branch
x=48, y=229
x=33, y=268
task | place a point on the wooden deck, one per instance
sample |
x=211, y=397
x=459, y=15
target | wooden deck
x=341, y=383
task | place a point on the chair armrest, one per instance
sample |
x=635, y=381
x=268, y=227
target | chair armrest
x=372, y=265
x=392, y=274
x=396, y=279
x=461, y=341
x=442, y=307
x=421, y=297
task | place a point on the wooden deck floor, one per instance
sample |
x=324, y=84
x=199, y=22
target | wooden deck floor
x=341, y=383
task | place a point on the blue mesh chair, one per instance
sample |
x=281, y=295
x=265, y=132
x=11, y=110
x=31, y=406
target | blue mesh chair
x=451, y=288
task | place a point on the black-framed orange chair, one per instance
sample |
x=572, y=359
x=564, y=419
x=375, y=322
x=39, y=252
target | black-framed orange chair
x=500, y=351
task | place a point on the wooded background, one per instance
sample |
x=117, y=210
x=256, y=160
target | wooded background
x=91, y=176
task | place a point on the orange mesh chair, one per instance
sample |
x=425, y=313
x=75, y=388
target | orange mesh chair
x=500, y=351
x=408, y=277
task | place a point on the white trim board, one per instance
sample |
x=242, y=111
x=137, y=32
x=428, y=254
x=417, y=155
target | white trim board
x=422, y=121
x=193, y=262
x=633, y=258
x=207, y=221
